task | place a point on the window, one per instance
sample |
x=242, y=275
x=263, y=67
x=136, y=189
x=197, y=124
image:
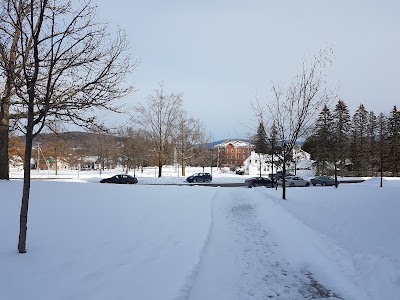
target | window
x=238, y=157
x=238, y=150
x=231, y=150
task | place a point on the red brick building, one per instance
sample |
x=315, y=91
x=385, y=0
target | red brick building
x=233, y=153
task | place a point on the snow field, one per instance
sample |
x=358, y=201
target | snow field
x=104, y=241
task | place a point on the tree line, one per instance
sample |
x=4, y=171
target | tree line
x=364, y=144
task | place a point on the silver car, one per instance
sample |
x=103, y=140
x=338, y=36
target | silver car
x=295, y=181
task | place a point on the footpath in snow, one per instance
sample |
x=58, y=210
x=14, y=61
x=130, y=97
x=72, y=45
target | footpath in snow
x=242, y=260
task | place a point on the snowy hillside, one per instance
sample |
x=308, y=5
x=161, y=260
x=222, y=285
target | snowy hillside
x=88, y=240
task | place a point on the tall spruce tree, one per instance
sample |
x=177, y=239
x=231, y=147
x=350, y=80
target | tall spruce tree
x=394, y=141
x=382, y=143
x=359, y=140
x=324, y=132
x=372, y=154
x=341, y=128
x=260, y=142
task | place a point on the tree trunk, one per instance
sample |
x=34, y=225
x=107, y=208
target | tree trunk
x=336, y=180
x=27, y=183
x=183, y=166
x=4, y=163
x=381, y=164
x=283, y=180
x=160, y=165
x=4, y=129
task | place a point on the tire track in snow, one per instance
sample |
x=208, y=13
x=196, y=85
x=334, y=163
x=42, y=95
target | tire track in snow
x=191, y=278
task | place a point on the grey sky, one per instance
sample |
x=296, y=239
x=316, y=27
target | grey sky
x=221, y=53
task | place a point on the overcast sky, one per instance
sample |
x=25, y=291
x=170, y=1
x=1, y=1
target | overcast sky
x=220, y=54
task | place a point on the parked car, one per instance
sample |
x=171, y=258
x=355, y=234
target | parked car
x=323, y=180
x=259, y=181
x=199, y=177
x=239, y=171
x=294, y=181
x=120, y=179
x=278, y=175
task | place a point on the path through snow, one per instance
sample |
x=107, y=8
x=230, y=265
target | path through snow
x=242, y=261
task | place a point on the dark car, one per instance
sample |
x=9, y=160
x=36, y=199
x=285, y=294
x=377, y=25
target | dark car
x=199, y=177
x=323, y=180
x=127, y=179
x=259, y=181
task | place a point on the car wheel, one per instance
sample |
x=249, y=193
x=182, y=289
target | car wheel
x=292, y=184
x=314, y=184
x=194, y=181
x=307, y=184
x=323, y=184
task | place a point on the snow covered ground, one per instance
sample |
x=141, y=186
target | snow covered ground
x=88, y=240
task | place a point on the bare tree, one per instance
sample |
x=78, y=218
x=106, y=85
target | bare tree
x=190, y=133
x=70, y=67
x=133, y=148
x=9, y=37
x=293, y=109
x=103, y=146
x=159, y=118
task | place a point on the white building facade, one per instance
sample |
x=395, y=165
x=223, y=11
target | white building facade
x=257, y=164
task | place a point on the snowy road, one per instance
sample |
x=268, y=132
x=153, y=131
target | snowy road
x=242, y=261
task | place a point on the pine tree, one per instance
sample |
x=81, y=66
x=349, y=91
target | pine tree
x=260, y=140
x=359, y=138
x=341, y=128
x=382, y=143
x=394, y=141
x=324, y=133
x=372, y=154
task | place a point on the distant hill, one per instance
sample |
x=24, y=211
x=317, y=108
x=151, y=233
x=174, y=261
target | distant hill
x=212, y=144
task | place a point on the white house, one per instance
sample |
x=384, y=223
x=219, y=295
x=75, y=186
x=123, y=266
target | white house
x=301, y=164
x=256, y=162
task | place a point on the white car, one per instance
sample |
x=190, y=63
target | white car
x=295, y=181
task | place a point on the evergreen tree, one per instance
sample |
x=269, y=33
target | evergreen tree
x=260, y=140
x=394, y=141
x=341, y=128
x=359, y=139
x=382, y=142
x=324, y=133
x=372, y=154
